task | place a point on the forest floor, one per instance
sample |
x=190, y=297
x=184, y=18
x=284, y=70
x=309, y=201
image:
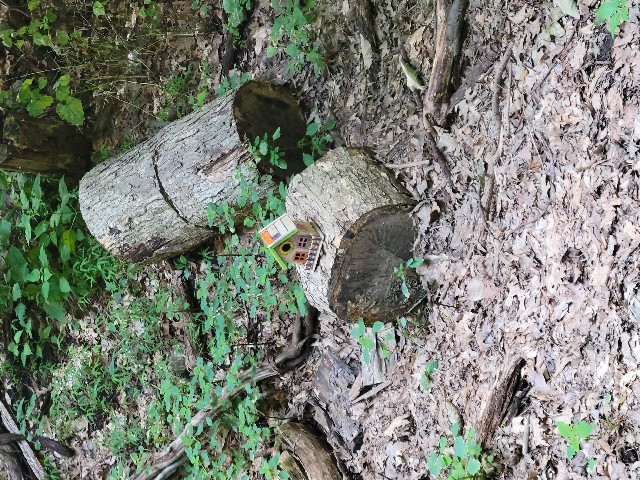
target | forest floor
x=535, y=255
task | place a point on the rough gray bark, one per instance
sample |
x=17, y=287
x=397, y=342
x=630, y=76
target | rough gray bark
x=364, y=216
x=151, y=202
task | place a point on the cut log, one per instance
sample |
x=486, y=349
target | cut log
x=364, y=215
x=43, y=145
x=151, y=202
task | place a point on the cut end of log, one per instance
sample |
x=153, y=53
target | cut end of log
x=364, y=283
x=260, y=108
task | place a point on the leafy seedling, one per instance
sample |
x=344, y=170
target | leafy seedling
x=615, y=12
x=574, y=433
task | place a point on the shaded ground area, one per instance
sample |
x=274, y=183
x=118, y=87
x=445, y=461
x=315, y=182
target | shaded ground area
x=535, y=254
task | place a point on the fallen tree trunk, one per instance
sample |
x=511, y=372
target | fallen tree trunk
x=43, y=145
x=364, y=215
x=151, y=202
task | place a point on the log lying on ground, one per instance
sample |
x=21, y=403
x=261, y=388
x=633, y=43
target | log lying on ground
x=43, y=145
x=151, y=202
x=364, y=215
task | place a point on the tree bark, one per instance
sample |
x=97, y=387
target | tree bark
x=43, y=145
x=151, y=202
x=364, y=216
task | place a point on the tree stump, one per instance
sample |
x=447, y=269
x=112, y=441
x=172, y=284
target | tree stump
x=151, y=202
x=364, y=215
x=43, y=145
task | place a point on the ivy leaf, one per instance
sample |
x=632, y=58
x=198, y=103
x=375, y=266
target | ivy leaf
x=473, y=466
x=276, y=134
x=564, y=429
x=37, y=106
x=583, y=429
x=71, y=111
x=307, y=159
x=64, y=286
x=26, y=351
x=98, y=9
x=312, y=129
x=405, y=290
x=460, y=447
x=435, y=464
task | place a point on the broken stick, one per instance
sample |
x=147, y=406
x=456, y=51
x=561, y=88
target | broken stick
x=449, y=20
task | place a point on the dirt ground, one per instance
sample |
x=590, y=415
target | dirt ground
x=536, y=253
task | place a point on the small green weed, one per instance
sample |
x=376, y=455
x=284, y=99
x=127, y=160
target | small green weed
x=260, y=148
x=401, y=272
x=464, y=461
x=429, y=369
x=29, y=94
x=233, y=81
x=291, y=29
x=318, y=139
x=573, y=433
x=361, y=334
x=236, y=11
x=615, y=12
x=42, y=233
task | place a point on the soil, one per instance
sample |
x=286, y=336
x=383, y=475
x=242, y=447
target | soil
x=534, y=255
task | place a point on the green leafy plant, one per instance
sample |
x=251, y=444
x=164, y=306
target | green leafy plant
x=574, y=433
x=290, y=31
x=460, y=458
x=615, y=12
x=401, y=272
x=360, y=334
x=45, y=243
x=236, y=11
x=260, y=148
x=233, y=81
x=318, y=139
x=429, y=369
x=30, y=95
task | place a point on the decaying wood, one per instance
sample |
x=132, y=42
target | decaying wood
x=502, y=395
x=313, y=454
x=449, y=22
x=165, y=463
x=151, y=202
x=27, y=452
x=289, y=464
x=43, y=145
x=332, y=406
x=365, y=217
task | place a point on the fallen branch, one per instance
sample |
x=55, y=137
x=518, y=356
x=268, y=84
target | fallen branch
x=449, y=20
